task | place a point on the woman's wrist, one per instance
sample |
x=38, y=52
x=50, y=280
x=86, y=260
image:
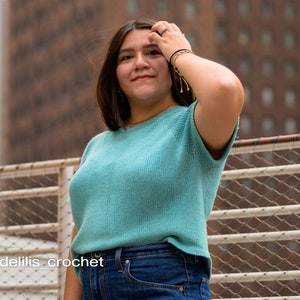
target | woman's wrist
x=173, y=59
x=176, y=54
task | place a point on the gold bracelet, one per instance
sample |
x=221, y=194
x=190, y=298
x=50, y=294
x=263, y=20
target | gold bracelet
x=173, y=58
x=177, y=53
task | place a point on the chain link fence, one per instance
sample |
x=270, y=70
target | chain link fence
x=35, y=227
x=254, y=229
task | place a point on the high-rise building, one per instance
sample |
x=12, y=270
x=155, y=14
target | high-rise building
x=3, y=80
x=259, y=41
x=55, y=50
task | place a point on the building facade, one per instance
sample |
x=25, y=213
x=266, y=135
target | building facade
x=259, y=41
x=3, y=79
x=56, y=48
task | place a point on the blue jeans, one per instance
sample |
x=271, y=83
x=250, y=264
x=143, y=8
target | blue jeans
x=154, y=271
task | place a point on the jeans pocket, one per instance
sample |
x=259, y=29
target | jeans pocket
x=157, y=272
x=205, y=289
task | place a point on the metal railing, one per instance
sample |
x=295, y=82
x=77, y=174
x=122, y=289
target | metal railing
x=254, y=229
x=27, y=247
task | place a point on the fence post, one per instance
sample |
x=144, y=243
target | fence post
x=64, y=223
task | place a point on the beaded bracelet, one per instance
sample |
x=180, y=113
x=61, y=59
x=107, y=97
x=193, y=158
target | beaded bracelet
x=173, y=58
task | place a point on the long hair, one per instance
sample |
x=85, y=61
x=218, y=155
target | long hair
x=112, y=101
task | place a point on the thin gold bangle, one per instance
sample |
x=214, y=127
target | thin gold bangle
x=173, y=58
x=177, y=53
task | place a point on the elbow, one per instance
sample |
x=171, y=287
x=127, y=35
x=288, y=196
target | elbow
x=231, y=93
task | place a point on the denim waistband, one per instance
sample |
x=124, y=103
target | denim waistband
x=142, y=250
x=126, y=253
x=132, y=251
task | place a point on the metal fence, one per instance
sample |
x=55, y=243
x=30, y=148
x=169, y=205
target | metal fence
x=35, y=227
x=254, y=229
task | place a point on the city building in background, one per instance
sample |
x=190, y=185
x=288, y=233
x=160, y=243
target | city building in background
x=3, y=80
x=259, y=41
x=51, y=53
x=55, y=49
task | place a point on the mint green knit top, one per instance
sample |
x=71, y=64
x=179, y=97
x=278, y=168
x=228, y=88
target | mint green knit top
x=150, y=183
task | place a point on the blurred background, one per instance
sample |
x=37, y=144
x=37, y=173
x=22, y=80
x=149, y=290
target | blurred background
x=50, y=56
x=51, y=53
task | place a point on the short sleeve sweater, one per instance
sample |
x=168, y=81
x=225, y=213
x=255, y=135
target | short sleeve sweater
x=150, y=183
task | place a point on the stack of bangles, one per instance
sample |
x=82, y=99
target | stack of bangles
x=173, y=58
x=176, y=54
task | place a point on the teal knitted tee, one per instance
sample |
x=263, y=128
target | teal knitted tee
x=155, y=182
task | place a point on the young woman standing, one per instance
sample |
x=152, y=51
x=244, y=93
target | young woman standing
x=145, y=188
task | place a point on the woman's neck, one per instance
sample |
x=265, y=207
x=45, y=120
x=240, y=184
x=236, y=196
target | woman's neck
x=147, y=114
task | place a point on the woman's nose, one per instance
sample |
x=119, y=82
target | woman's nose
x=141, y=62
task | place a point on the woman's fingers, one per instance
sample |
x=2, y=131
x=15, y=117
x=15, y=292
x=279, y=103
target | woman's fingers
x=168, y=37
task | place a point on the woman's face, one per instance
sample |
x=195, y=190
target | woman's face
x=142, y=70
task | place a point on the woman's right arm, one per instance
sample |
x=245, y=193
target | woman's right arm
x=73, y=287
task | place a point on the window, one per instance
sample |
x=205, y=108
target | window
x=191, y=9
x=192, y=38
x=268, y=67
x=290, y=98
x=289, y=11
x=222, y=59
x=290, y=68
x=289, y=39
x=244, y=66
x=245, y=124
x=244, y=36
x=248, y=94
x=267, y=8
x=267, y=37
x=269, y=157
x=221, y=6
x=290, y=126
x=222, y=34
x=243, y=7
x=268, y=125
x=132, y=6
x=267, y=96
x=162, y=6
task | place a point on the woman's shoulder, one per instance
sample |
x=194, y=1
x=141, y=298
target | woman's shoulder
x=94, y=142
x=186, y=110
x=182, y=114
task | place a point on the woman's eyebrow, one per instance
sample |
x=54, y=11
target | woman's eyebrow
x=146, y=46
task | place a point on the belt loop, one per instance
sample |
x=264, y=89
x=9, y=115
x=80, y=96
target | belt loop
x=118, y=261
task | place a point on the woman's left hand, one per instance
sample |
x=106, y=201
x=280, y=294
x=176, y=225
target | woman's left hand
x=219, y=92
x=168, y=37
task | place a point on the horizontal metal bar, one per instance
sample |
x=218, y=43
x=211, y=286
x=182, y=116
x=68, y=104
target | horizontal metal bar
x=254, y=212
x=255, y=276
x=261, y=172
x=254, y=237
x=32, y=251
x=29, y=228
x=255, y=146
x=29, y=193
x=37, y=168
x=262, y=298
x=30, y=286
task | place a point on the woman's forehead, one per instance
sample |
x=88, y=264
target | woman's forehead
x=136, y=36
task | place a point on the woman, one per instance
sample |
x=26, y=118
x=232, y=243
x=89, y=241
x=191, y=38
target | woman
x=146, y=186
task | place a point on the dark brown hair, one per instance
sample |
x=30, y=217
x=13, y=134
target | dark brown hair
x=111, y=99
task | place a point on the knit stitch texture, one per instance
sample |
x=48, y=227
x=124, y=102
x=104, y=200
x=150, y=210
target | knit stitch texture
x=150, y=183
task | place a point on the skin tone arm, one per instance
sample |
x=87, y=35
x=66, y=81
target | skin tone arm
x=73, y=287
x=219, y=92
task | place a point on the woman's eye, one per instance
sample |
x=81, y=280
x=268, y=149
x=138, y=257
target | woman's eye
x=154, y=52
x=125, y=57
